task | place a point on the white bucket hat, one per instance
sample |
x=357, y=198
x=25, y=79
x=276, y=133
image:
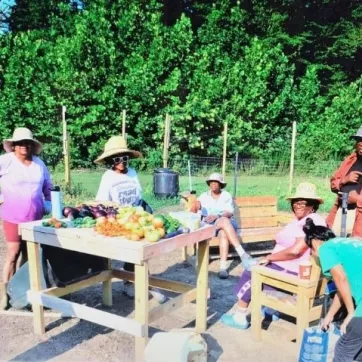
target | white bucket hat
x=306, y=190
x=218, y=178
x=114, y=146
x=358, y=135
x=21, y=134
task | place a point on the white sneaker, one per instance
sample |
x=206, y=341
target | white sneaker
x=128, y=289
x=158, y=295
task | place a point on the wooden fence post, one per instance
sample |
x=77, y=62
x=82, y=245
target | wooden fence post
x=66, y=150
x=291, y=171
x=124, y=124
x=224, y=149
x=166, y=140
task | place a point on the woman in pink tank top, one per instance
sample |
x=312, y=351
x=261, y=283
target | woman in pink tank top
x=289, y=251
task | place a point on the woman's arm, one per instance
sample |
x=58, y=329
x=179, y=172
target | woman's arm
x=334, y=308
x=293, y=252
x=103, y=193
x=340, y=278
x=47, y=184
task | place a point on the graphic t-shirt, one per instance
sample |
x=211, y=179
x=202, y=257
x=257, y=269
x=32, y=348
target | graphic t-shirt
x=124, y=189
x=287, y=237
x=23, y=188
x=348, y=253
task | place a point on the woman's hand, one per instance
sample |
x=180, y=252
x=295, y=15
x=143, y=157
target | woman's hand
x=211, y=218
x=326, y=322
x=345, y=322
x=352, y=197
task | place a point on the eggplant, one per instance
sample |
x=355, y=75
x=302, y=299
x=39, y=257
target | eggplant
x=99, y=213
x=70, y=212
x=84, y=212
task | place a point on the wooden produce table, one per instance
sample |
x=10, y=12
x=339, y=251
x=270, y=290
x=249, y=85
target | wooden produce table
x=118, y=248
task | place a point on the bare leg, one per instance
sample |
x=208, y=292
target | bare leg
x=242, y=304
x=12, y=255
x=225, y=225
x=223, y=246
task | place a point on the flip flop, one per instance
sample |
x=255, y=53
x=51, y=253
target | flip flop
x=228, y=320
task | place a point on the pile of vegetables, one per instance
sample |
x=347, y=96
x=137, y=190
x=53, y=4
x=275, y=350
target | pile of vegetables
x=54, y=223
x=89, y=211
x=134, y=223
x=84, y=222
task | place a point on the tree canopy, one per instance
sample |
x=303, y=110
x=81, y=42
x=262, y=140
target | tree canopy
x=258, y=64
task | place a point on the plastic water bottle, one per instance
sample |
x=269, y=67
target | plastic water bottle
x=57, y=206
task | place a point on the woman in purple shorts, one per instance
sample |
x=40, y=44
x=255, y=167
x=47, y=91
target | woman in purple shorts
x=289, y=251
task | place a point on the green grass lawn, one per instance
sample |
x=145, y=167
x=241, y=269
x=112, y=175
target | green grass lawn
x=85, y=185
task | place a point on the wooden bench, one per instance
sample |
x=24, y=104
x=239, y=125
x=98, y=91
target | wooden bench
x=258, y=221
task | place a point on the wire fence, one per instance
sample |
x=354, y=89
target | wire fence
x=202, y=166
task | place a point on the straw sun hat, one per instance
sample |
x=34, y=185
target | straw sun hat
x=306, y=190
x=218, y=178
x=21, y=134
x=114, y=146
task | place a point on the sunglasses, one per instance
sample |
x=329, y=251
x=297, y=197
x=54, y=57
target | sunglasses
x=120, y=159
x=23, y=143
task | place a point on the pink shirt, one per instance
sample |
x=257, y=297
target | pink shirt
x=287, y=237
x=23, y=188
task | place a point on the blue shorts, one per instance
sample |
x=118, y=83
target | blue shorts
x=233, y=223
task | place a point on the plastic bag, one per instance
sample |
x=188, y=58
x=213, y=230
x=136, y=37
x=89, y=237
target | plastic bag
x=317, y=345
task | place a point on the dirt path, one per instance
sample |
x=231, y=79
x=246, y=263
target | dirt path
x=77, y=340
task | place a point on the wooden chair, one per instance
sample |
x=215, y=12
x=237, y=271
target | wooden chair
x=301, y=306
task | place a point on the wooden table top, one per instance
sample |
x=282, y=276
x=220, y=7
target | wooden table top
x=87, y=240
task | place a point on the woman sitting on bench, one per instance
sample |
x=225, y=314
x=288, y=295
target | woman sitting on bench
x=217, y=208
x=289, y=251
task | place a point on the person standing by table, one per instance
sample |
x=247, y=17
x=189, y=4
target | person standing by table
x=217, y=207
x=120, y=185
x=25, y=187
x=348, y=178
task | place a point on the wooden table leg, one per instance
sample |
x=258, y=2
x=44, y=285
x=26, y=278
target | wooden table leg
x=107, y=288
x=202, y=285
x=141, y=307
x=35, y=285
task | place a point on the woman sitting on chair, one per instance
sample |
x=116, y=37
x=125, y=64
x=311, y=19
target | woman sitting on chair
x=289, y=251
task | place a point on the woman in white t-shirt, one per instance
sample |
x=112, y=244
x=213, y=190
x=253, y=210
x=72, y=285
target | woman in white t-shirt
x=120, y=184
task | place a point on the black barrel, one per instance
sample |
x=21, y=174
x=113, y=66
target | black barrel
x=165, y=183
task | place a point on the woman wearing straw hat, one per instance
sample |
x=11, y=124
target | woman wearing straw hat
x=25, y=187
x=289, y=251
x=120, y=184
x=217, y=208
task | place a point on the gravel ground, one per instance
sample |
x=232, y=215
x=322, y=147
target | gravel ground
x=78, y=340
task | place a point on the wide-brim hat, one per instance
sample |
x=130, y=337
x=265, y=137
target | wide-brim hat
x=21, y=134
x=358, y=135
x=114, y=146
x=218, y=178
x=306, y=190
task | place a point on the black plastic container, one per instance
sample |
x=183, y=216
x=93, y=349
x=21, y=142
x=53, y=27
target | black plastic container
x=165, y=183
